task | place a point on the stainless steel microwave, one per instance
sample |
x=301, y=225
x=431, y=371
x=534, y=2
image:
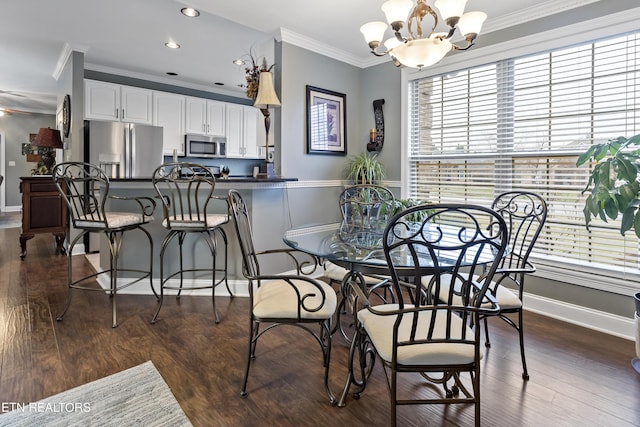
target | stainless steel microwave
x=205, y=146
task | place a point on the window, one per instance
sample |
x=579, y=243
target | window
x=520, y=123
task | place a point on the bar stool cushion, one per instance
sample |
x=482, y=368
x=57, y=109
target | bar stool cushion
x=115, y=220
x=276, y=299
x=211, y=221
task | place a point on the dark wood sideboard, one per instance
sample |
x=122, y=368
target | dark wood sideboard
x=43, y=211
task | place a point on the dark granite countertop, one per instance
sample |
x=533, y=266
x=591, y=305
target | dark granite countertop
x=220, y=180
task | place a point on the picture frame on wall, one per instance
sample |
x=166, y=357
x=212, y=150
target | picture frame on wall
x=326, y=121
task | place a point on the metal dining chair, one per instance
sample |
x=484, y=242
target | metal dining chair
x=432, y=338
x=287, y=299
x=525, y=214
x=189, y=209
x=85, y=189
x=365, y=209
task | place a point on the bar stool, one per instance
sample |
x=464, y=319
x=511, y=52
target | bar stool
x=186, y=192
x=85, y=189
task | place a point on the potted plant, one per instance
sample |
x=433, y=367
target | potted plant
x=400, y=205
x=615, y=190
x=365, y=168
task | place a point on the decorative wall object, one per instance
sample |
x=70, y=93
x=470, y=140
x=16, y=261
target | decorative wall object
x=326, y=121
x=376, y=135
x=31, y=151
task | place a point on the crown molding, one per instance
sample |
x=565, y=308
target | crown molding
x=296, y=39
x=540, y=10
x=64, y=57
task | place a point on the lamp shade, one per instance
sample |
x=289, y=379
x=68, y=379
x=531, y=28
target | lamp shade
x=373, y=31
x=396, y=10
x=471, y=22
x=450, y=8
x=266, y=92
x=48, y=137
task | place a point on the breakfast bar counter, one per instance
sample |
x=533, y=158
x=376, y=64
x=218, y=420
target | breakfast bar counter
x=268, y=205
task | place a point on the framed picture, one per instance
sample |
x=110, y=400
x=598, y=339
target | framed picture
x=326, y=122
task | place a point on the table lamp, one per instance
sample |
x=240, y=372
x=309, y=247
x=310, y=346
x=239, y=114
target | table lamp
x=47, y=140
x=266, y=98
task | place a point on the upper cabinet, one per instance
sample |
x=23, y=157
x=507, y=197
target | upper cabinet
x=242, y=136
x=168, y=112
x=109, y=101
x=205, y=117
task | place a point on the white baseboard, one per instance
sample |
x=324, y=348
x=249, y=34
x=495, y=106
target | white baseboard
x=601, y=321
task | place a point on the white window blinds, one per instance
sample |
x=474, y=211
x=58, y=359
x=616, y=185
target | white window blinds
x=521, y=123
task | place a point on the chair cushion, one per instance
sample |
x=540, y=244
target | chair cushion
x=277, y=299
x=507, y=299
x=380, y=331
x=212, y=221
x=114, y=220
x=337, y=273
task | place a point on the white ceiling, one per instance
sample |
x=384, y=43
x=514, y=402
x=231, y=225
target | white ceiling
x=127, y=37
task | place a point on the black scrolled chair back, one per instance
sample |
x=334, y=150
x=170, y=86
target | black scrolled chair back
x=366, y=206
x=85, y=188
x=451, y=244
x=525, y=214
x=186, y=190
x=243, y=230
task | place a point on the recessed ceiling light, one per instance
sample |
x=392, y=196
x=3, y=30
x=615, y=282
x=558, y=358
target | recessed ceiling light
x=171, y=73
x=190, y=12
x=238, y=62
x=172, y=45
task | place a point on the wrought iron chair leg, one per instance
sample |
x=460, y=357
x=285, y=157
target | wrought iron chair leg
x=253, y=331
x=487, y=342
x=525, y=373
x=214, y=251
x=69, y=275
x=226, y=259
x=153, y=289
x=165, y=244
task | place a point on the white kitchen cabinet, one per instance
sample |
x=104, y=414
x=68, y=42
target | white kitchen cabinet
x=109, y=101
x=242, y=131
x=168, y=112
x=205, y=116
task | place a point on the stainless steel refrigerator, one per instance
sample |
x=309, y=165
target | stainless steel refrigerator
x=123, y=150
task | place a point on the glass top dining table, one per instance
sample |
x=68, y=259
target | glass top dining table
x=361, y=250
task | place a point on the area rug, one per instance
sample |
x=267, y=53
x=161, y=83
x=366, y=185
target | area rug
x=137, y=396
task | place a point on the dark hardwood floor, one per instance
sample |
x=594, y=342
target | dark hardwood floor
x=578, y=376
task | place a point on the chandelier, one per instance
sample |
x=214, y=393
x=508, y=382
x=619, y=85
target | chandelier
x=417, y=49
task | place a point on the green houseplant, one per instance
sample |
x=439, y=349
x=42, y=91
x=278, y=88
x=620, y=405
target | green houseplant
x=614, y=182
x=400, y=205
x=365, y=168
x=615, y=189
